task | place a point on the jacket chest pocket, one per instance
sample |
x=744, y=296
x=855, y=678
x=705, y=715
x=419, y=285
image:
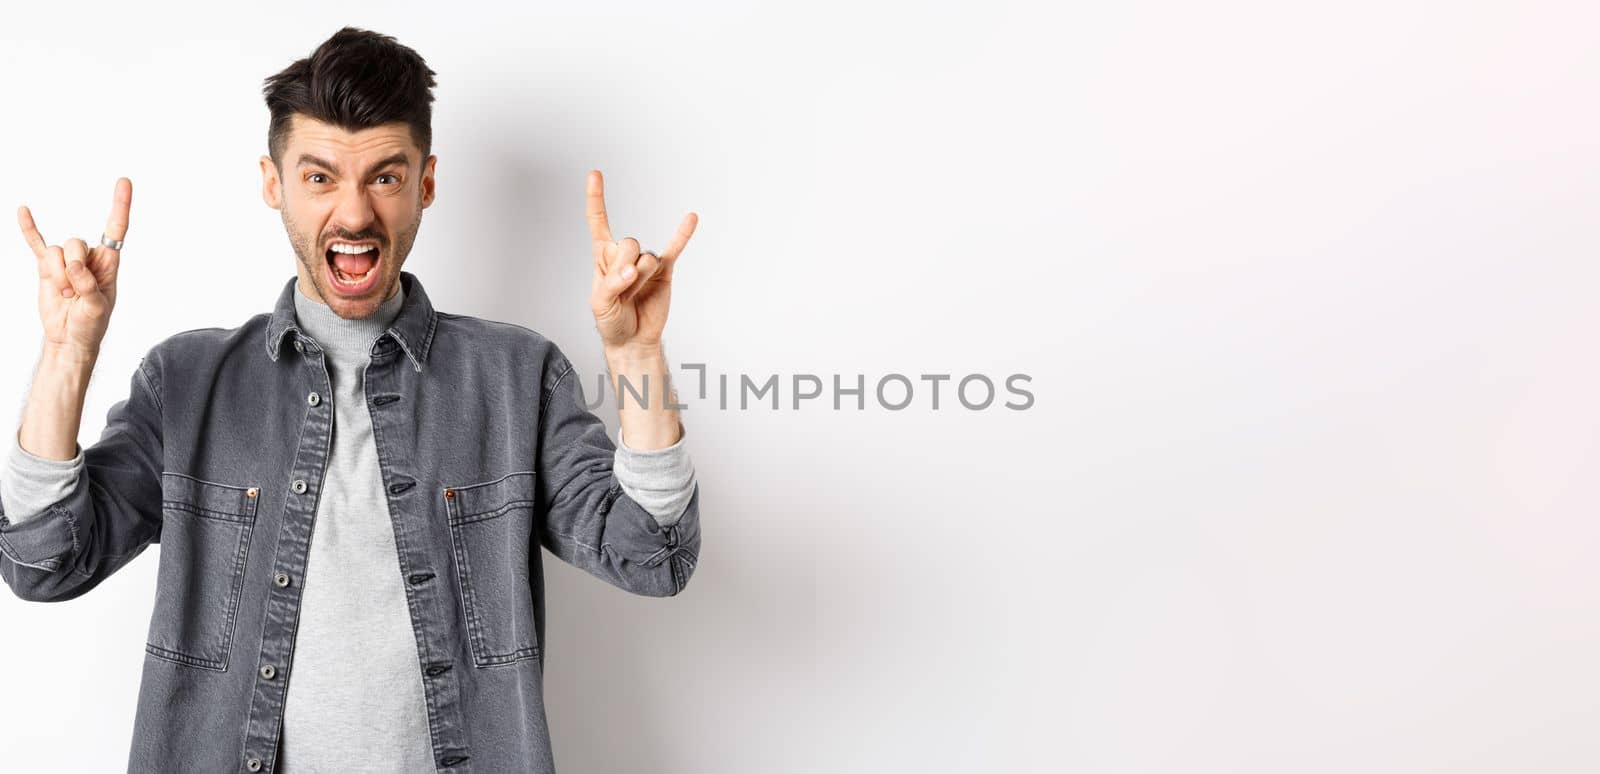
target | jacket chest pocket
x=490, y=528
x=205, y=539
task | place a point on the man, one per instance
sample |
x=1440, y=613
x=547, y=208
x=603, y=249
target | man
x=352, y=490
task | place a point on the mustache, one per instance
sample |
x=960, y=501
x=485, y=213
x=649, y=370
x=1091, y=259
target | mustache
x=349, y=237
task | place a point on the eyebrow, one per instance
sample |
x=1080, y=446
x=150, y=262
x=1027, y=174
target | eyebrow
x=399, y=157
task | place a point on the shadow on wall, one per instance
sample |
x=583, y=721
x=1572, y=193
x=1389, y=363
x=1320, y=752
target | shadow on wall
x=521, y=246
x=618, y=664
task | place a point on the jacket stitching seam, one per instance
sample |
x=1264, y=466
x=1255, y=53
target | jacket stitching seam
x=6, y=547
x=149, y=384
x=544, y=405
x=575, y=539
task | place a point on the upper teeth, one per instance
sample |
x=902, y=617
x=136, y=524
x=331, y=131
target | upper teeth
x=351, y=249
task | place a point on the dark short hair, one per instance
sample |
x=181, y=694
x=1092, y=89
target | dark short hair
x=355, y=80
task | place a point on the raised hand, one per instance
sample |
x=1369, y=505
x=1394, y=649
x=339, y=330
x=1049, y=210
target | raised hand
x=631, y=292
x=77, y=283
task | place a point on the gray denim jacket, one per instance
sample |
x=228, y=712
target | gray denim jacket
x=487, y=452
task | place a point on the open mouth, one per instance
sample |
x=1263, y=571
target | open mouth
x=353, y=266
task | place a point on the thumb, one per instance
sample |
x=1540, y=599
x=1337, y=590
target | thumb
x=83, y=281
x=618, y=282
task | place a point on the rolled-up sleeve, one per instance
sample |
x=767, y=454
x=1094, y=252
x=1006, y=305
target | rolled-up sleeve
x=29, y=483
x=110, y=513
x=589, y=519
x=661, y=481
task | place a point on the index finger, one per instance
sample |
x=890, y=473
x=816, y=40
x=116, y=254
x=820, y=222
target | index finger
x=30, y=233
x=599, y=227
x=121, y=201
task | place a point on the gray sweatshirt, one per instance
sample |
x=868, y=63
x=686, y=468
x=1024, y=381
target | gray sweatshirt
x=355, y=703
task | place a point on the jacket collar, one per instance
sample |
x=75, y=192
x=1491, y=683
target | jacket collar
x=412, y=327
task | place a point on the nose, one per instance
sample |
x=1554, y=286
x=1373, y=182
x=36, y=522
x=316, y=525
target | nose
x=353, y=212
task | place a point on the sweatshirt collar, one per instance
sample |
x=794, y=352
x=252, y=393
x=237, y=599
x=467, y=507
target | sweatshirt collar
x=407, y=317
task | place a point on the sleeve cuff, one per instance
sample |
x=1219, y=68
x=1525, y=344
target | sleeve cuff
x=661, y=481
x=646, y=453
x=30, y=484
x=34, y=462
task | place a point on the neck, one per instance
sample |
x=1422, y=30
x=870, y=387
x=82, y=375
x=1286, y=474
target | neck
x=348, y=341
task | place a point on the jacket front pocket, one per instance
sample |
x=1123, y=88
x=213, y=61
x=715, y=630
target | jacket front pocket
x=205, y=539
x=490, y=528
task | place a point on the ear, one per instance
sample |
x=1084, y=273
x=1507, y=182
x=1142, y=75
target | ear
x=427, y=180
x=271, y=186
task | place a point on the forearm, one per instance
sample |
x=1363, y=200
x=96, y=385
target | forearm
x=645, y=405
x=55, y=404
x=640, y=540
x=110, y=512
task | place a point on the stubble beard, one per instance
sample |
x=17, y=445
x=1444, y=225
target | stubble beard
x=315, y=263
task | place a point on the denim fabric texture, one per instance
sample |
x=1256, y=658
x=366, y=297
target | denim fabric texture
x=218, y=453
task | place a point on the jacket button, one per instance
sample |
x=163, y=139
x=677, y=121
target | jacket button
x=251, y=492
x=449, y=493
x=313, y=399
x=254, y=764
x=298, y=347
x=282, y=579
x=299, y=486
x=268, y=671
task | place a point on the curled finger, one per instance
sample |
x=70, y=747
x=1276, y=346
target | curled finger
x=649, y=263
x=74, y=253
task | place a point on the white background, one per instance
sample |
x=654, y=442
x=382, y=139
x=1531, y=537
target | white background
x=1306, y=293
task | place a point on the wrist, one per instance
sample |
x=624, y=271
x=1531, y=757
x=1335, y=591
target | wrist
x=633, y=355
x=66, y=357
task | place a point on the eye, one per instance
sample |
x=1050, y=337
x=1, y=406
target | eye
x=314, y=175
x=394, y=178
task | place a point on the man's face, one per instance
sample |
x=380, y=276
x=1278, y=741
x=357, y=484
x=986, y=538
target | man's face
x=352, y=203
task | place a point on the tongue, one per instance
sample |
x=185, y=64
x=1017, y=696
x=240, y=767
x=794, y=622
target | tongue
x=355, y=264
